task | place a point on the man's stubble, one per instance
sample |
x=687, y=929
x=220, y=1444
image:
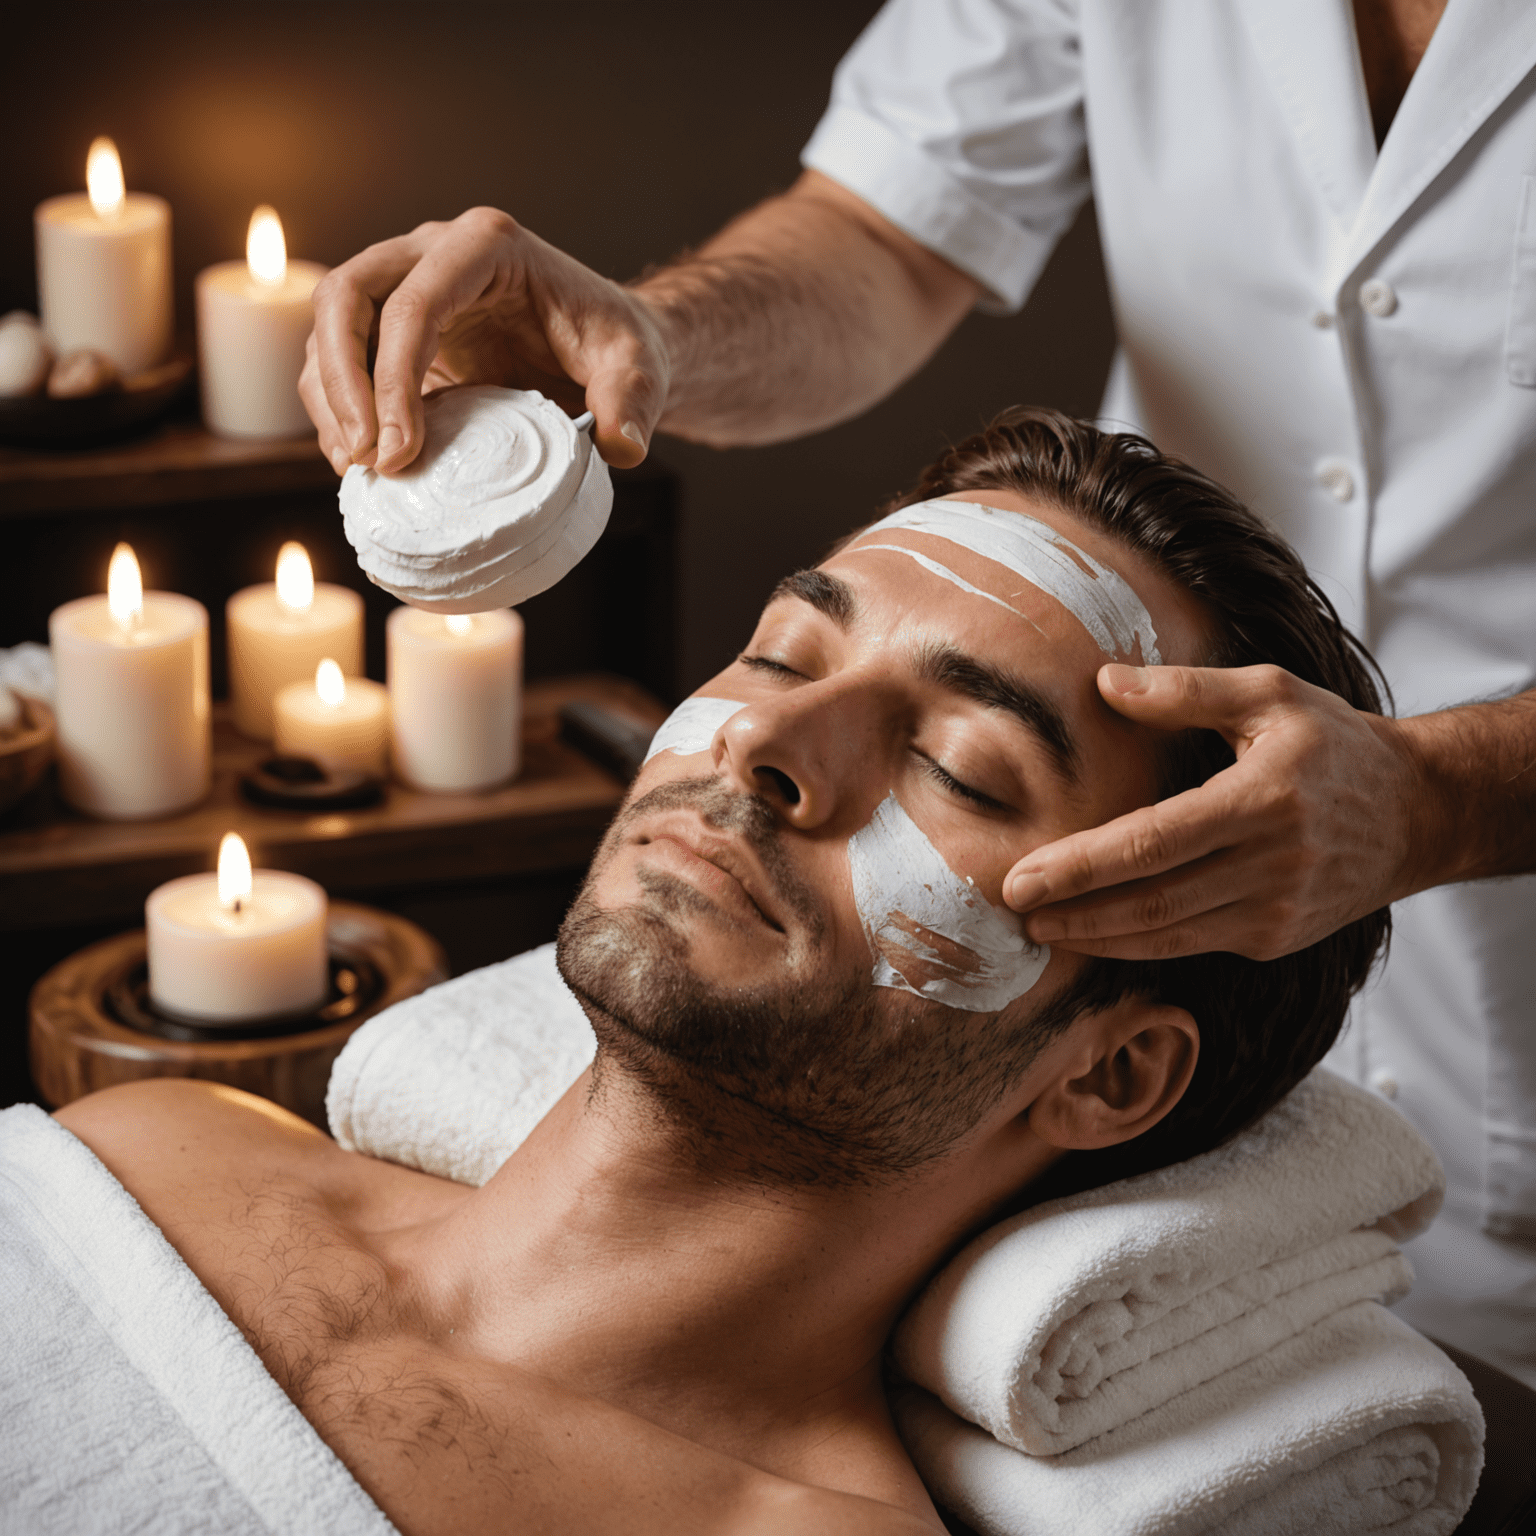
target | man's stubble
x=822, y=1079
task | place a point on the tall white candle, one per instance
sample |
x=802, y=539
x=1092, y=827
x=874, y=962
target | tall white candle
x=253, y=320
x=341, y=722
x=235, y=946
x=279, y=631
x=455, y=690
x=132, y=698
x=104, y=267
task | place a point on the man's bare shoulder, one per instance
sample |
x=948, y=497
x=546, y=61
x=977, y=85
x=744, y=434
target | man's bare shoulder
x=185, y=1150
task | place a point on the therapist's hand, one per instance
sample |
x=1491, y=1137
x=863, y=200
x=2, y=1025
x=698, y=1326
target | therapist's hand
x=480, y=300
x=1316, y=824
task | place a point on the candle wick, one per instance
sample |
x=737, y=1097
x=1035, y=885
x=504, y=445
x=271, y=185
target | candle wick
x=239, y=904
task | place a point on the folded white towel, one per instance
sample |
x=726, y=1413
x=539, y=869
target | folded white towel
x=1356, y=1424
x=451, y=1081
x=129, y=1402
x=1076, y=1316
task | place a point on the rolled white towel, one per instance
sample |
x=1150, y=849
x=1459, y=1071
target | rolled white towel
x=1077, y=1316
x=507, y=495
x=1355, y=1424
x=451, y=1081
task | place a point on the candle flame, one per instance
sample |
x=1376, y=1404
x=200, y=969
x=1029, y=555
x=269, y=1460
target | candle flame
x=266, y=252
x=459, y=623
x=295, y=578
x=234, y=872
x=125, y=587
x=104, y=179
x=330, y=684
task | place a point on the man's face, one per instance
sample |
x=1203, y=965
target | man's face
x=916, y=691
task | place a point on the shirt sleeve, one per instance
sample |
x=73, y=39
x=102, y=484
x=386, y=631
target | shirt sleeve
x=961, y=121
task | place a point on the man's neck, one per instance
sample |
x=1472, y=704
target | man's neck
x=603, y=1257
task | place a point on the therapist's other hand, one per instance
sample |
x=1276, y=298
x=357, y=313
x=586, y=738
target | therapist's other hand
x=480, y=300
x=1312, y=827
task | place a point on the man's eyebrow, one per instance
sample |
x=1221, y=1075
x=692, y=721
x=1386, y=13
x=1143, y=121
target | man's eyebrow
x=979, y=681
x=830, y=594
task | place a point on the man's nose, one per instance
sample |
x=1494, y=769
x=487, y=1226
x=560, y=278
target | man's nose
x=806, y=752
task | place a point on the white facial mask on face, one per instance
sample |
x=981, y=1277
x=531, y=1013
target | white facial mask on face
x=911, y=902
x=1100, y=599
x=692, y=726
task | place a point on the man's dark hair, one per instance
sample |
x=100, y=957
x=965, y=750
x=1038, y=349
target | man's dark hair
x=1263, y=1023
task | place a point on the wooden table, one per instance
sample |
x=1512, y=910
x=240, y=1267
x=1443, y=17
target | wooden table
x=488, y=875
x=58, y=867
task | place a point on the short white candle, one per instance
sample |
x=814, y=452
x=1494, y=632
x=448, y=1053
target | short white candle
x=253, y=319
x=279, y=631
x=341, y=722
x=132, y=698
x=455, y=691
x=104, y=267
x=236, y=946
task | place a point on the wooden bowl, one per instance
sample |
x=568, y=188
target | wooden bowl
x=133, y=405
x=78, y=1045
x=24, y=757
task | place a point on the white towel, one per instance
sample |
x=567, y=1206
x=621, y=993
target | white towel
x=452, y=1081
x=129, y=1402
x=1076, y=1316
x=1356, y=1424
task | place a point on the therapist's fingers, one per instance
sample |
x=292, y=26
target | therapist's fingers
x=1142, y=843
x=1237, y=701
x=346, y=304
x=333, y=443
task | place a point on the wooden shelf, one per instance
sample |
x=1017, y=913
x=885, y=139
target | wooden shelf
x=180, y=461
x=59, y=868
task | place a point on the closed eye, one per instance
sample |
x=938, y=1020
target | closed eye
x=944, y=777
x=767, y=664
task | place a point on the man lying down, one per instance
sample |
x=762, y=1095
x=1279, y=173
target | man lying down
x=825, y=1054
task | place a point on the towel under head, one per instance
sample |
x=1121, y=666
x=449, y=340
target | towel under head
x=1080, y=1314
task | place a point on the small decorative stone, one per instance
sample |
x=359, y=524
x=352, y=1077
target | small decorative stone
x=25, y=356
x=80, y=373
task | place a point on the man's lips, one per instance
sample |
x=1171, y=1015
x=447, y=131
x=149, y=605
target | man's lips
x=720, y=866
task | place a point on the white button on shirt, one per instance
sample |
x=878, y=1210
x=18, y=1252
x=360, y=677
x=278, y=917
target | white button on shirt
x=1377, y=298
x=1256, y=242
x=1336, y=479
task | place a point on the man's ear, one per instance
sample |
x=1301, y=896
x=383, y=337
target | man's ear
x=1130, y=1066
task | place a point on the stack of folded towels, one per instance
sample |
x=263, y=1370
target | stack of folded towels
x=1203, y=1349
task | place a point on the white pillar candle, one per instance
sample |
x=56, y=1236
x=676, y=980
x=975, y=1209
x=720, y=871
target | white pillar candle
x=280, y=631
x=253, y=319
x=132, y=698
x=341, y=722
x=456, y=697
x=237, y=945
x=104, y=267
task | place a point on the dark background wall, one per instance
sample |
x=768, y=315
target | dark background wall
x=620, y=132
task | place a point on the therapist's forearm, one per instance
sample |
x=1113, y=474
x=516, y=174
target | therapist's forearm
x=801, y=313
x=1478, y=766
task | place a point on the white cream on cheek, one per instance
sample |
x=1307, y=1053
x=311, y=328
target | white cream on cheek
x=932, y=933
x=1101, y=600
x=692, y=725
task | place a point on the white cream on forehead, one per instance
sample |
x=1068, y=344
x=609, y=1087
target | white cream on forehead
x=692, y=725
x=931, y=932
x=1101, y=600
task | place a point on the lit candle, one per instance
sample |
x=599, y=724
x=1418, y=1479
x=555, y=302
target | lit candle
x=104, y=267
x=132, y=697
x=455, y=692
x=341, y=722
x=253, y=319
x=234, y=946
x=279, y=631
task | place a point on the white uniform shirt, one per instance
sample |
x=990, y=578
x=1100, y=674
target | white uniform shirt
x=1346, y=339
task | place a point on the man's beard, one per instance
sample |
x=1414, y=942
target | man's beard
x=824, y=1079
